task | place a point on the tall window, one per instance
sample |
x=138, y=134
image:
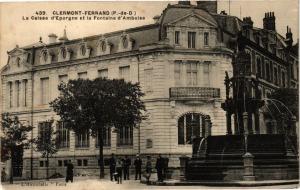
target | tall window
x=25, y=92
x=44, y=132
x=103, y=73
x=283, y=78
x=275, y=75
x=177, y=37
x=125, y=136
x=267, y=71
x=191, y=71
x=258, y=66
x=82, y=75
x=148, y=79
x=106, y=137
x=10, y=86
x=191, y=39
x=206, y=73
x=44, y=90
x=125, y=73
x=18, y=92
x=177, y=72
x=63, y=135
x=82, y=139
x=63, y=78
x=189, y=126
x=206, y=38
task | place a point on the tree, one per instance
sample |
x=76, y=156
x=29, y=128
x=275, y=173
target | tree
x=97, y=104
x=15, y=137
x=46, y=143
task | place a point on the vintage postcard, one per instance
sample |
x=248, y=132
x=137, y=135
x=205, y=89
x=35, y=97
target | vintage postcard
x=149, y=94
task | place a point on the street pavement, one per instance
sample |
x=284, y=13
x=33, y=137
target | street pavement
x=92, y=183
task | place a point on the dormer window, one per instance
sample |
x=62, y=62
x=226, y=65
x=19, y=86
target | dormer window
x=206, y=38
x=83, y=50
x=177, y=37
x=64, y=53
x=18, y=61
x=45, y=55
x=103, y=46
x=125, y=42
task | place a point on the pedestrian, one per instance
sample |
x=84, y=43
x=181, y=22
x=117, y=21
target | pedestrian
x=119, y=168
x=3, y=175
x=159, y=167
x=112, y=167
x=69, y=175
x=138, y=167
x=165, y=168
x=148, y=169
x=126, y=164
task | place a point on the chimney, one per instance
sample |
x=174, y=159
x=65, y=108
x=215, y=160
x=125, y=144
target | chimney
x=52, y=38
x=289, y=36
x=209, y=6
x=184, y=2
x=269, y=21
x=247, y=23
x=156, y=18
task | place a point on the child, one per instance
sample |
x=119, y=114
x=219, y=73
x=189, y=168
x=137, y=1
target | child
x=119, y=168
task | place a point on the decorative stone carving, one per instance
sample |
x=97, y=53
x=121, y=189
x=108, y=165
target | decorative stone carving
x=64, y=54
x=45, y=56
x=103, y=46
x=83, y=50
x=125, y=43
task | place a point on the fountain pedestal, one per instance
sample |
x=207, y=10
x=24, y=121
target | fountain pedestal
x=248, y=167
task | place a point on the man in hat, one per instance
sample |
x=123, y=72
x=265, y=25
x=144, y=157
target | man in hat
x=112, y=166
x=138, y=167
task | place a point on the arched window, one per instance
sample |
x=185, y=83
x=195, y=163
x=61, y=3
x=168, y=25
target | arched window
x=103, y=46
x=63, y=52
x=190, y=125
x=258, y=66
x=125, y=42
x=83, y=50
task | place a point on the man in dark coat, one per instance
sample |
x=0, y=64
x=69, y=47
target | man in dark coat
x=112, y=166
x=69, y=175
x=127, y=163
x=138, y=167
x=159, y=167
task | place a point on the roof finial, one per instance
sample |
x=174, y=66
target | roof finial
x=41, y=40
x=64, y=37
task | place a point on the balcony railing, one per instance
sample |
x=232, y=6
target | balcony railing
x=177, y=93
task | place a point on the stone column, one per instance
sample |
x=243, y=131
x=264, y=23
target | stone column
x=248, y=167
x=245, y=122
x=21, y=93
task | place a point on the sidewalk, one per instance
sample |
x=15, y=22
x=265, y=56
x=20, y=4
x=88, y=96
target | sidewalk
x=224, y=184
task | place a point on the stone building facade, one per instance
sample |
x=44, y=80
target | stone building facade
x=180, y=61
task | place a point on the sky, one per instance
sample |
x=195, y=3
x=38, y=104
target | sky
x=16, y=31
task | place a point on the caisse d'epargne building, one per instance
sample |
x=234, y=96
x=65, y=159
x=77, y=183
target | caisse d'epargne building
x=180, y=61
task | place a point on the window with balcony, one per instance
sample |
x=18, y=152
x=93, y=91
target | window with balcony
x=82, y=139
x=192, y=72
x=191, y=39
x=125, y=136
x=125, y=73
x=103, y=73
x=44, y=91
x=190, y=125
x=106, y=137
x=63, y=135
x=206, y=38
x=177, y=37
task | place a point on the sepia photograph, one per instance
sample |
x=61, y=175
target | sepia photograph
x=149, y=94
